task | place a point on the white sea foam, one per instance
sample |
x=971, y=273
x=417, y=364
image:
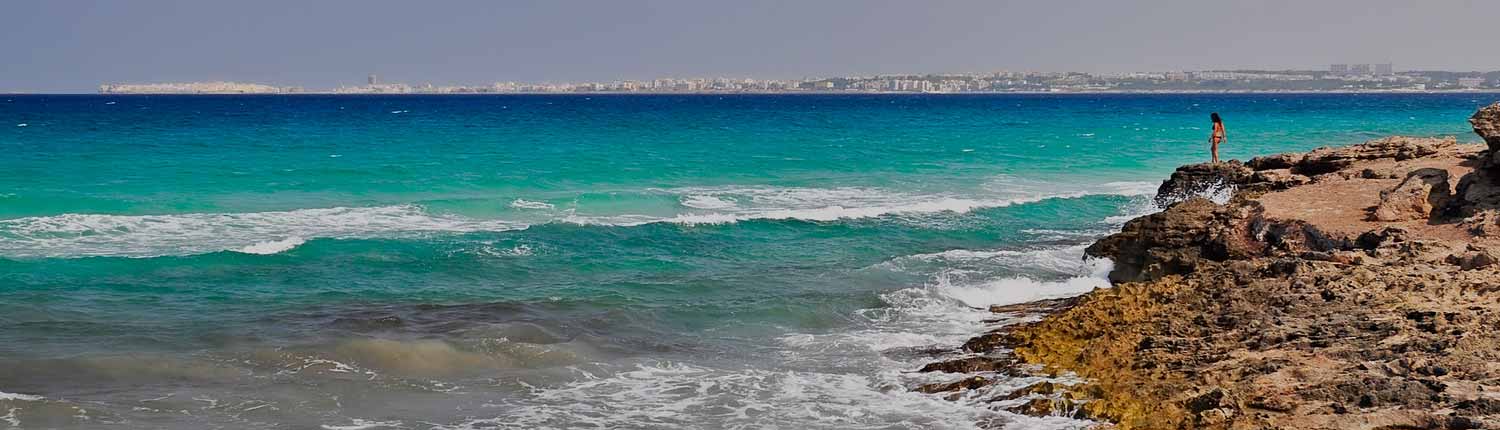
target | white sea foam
x=274, y=246
x=359, y=424
x=696, y=201
x=83, y=235
x=20, y=397
x=669, y=395
x=1014, y=290
x=528, y=204
x=845, y=379
x=727, y=205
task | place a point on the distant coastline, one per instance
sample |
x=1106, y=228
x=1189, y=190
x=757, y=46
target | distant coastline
x=1338, y=79
x=800, y=92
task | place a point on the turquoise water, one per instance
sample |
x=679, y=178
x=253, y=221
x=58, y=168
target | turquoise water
x=571, y=261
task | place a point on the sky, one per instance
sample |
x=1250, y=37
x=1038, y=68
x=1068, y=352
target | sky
x=75, y=45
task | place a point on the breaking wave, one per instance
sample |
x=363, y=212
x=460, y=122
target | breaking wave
x=856, y=378
x=86, y=235
x=144, y=236
x=274, y=246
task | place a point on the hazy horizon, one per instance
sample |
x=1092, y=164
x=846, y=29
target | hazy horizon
x=75, y=46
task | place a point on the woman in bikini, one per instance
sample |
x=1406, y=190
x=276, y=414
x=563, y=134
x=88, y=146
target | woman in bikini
x=1218, y=135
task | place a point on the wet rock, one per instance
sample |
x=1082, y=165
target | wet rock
x=1423, y=193
x=969, y=383
x=1045, y=407
x=1198, y=180
x=1165, y=243
x=968, y=365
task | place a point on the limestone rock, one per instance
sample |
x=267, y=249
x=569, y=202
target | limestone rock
x=1164, y=243
x=1328, y=160
x=1279, y=179
x=1483, y=223
x=1278, y=161
x=1424, y=192
x=1486, y=124
x=1474, y=258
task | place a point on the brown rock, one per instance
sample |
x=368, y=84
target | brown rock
x=1279, y=179
x=1328, y=160
x=1424, y=192
x=968, y=383
x=1486, y=124
x=1164, y=243
x=1474, y=258
x=1044, y=407
x=1278, y=161
x=1197, y=180
x=1484, y=223
x=967, y=365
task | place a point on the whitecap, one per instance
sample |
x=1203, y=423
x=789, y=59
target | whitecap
x=20, y=397
x=359, y=424
x=528, y=204
x=274, y=246
x=22, y=124
x=522, y=250
x=707, y=202
x=1012, y=290
x=85, y=235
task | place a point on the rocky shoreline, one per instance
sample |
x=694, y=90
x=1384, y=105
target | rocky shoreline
x=1344, y=288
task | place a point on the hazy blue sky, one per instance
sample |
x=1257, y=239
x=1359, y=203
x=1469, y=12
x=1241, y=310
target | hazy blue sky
x=73, y=45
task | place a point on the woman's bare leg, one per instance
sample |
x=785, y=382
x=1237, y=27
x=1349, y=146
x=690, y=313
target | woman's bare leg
x=1216, y=151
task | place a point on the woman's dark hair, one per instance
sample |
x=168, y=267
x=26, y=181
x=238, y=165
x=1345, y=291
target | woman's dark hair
x=1215, y=116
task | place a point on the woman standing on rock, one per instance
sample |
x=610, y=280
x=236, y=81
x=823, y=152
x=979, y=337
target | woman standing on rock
x=1217, y=136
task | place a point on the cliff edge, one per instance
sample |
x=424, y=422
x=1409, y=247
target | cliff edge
x=1343, y=288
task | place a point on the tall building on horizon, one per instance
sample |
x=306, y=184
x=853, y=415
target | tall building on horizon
x=372, y=80
x=1384, y=69
x=1338, y=69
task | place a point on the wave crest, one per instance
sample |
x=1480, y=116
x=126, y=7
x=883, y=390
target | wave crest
x=141, y=236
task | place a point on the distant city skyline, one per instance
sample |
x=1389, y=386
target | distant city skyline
x=74, y=46
x=1338, y=77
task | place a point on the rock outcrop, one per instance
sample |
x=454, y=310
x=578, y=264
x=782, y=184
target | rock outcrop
x=1486, y=124
x=1345, y=288
x=1282, y=171
x=1423, y=194
x=1478, y=193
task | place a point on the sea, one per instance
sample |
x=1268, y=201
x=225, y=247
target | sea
x=575, y=261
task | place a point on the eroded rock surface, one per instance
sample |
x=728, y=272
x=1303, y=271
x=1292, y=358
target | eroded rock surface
x=1346, y=288
x=1423, y=194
